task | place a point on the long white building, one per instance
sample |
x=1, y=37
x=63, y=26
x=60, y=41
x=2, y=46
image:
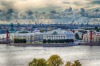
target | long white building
x=58, y=34
x=36, y=35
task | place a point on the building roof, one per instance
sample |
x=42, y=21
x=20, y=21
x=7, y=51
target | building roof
x=94, y=33
x=59, y=31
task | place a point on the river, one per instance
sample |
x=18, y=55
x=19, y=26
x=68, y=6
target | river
x=21, y=56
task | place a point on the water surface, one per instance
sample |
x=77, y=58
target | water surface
x=21, y=56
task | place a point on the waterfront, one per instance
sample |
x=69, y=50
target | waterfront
x=20, y=56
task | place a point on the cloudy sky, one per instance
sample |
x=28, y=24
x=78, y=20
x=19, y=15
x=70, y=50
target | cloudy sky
x=31, y=4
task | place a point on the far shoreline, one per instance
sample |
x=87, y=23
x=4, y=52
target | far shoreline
x=51, y=44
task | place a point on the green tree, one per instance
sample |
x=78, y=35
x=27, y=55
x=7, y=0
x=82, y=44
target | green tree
x=68, y=63
x=16, y=40
x=38, y=62
x=73, y=65
x=55, y=60
x=97, y=29
x=49, y=41
x=33, y=63
x=77, y=36
x=24, y=40
x=76, y=63
x=44, y=41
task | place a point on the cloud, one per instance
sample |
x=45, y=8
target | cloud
x=28, y=4
x=77, y=3
x=96, y=2
x=31, y=4
x=88, y=4
x=5, y=4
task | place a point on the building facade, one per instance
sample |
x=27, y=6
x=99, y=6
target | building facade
x=28, y=36
x=37, y=36
x=95, y=37
x=58, y=34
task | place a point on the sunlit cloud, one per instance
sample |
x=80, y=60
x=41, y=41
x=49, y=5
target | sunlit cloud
x=31, y=4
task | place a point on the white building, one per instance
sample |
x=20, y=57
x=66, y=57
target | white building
x=3, y=36
x=28, y=36
x=58, y=34
x=36, y=35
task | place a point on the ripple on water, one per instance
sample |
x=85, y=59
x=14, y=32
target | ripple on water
x=20, y=56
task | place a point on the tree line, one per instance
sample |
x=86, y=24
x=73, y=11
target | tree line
x=54, y=60
x=58, y=41
x=19, y=40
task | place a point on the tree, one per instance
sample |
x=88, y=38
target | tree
x=76, y=63
x=19, y=40
x=33, y=63
x=49, y=41
x=55, y=60
x=77, y=36
x=44, y=41
x=97, y=29
x=24, y=40
x=68, y=63
x=16, y=40
x=73, y=65
x=38, y=62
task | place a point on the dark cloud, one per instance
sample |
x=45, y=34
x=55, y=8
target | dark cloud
x=74, y=3
x=7, y=4
x=96, y=2
x=66, y=3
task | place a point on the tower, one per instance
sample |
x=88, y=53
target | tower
x=7, y=37
x=91, y=36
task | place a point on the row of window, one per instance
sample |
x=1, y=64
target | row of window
x=54, y=37
x=94, y=39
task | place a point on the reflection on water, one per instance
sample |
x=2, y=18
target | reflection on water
x=20, y=56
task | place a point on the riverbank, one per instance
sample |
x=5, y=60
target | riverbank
x=44, y=45
x=91, y=44
x=52, y=44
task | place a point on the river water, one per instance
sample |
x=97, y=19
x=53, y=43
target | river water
x=21, y=56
